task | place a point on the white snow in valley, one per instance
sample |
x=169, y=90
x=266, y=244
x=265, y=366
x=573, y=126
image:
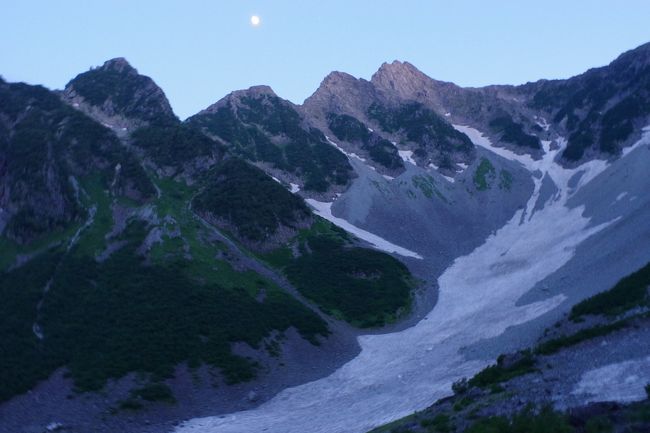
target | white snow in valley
x=325, y=210
x=624, y=382
x=294, y=187
x=276, y=179
x=407, y=156
x=387, y=177
x=399, y=373
x=348, y=154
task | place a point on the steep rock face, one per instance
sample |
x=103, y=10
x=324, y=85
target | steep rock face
x=45, y=147
x=268, y=131
x=390, y=106
x=403, y=81
x=600, y=111
x=340, y=93
x=118, y=96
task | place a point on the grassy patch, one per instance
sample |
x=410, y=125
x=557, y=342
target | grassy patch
x=527, y=421
x=483, y=175
x=505, y=180
x=363, y=286
x=557, y=344
x=251, y=202
x=498, y=373
x=427, y=185
x=628, y=293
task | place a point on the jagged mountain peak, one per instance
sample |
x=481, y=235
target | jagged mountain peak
x=336, y=79
x=118, y=64
x=402, y=80
x=238, y=97
x=118, y=96
x=397, y=67
x=342, y=93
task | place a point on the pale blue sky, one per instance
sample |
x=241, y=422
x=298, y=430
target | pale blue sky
x=200, y=50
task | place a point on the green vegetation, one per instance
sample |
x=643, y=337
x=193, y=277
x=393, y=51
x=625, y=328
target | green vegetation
x=134, y=313
x=10, y=250
x=424, y=127
x=250, y=132
x=505, y=180
x=380, y=150
x=131, y=94
x=154, y=392
x=555, y=345
x=48, y=146
x=484, y=174
x=427, y=185
x=527, y=421
x=599, y=424
x=363, y=286
x=631, y=291
x=22, y=363
x=151, y=392
x=173, y=145
x=439, y=424
x=618, y=122
x=249, y=201
x=591, y=106
x=495, y=374
x=513, y=132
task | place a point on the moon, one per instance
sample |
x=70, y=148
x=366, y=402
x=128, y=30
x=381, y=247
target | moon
x=255, y=21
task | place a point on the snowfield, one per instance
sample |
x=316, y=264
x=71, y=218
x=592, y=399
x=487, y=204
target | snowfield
x=407, y=156
x=399, y=373
x=623, y=381
x=325, y=210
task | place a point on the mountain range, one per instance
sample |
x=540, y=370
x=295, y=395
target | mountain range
x=155, y=270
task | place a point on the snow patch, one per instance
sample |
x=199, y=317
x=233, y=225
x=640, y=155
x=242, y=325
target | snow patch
x=387, y=177
x=294, y=187
x=407, y=156
x=325, y=210
x=543, y=124
x=623, y=382
x=348, y=154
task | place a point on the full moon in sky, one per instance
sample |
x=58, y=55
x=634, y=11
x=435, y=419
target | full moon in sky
x=255, y=20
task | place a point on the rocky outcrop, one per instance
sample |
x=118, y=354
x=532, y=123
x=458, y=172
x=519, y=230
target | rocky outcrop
x=116, y=95
x=270, y=132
